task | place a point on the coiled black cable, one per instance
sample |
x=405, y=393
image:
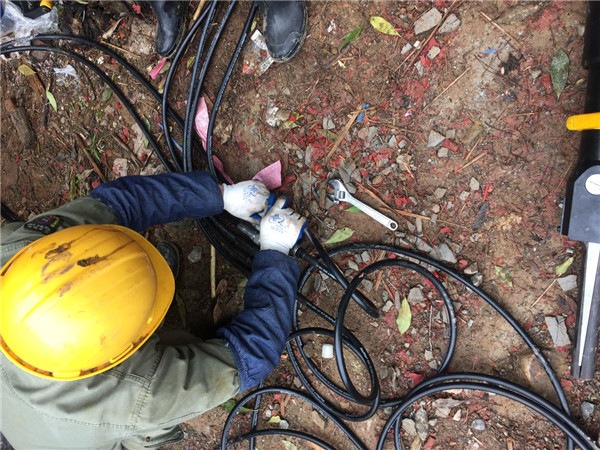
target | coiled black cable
x=226, y=238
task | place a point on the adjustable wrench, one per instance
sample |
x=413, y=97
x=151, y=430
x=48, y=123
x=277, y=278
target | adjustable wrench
x=341, y=194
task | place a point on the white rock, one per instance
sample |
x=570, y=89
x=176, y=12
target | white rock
x=428, y=20
x=328, y=123
x=474, y=184
x=419, y=67
x=195, y=255
x=434, y=139
x=443, y=152
x=388, y=305
x=446, y=254
x=558, y=330
x=407, y=47
x=433, y=52
x=439, y=193
x=464, y=195
x=415, y=295
x=568, y=283
x=450, y=24
x=408, y=425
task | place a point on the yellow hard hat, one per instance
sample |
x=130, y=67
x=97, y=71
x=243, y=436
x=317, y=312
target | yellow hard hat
x=82, y=300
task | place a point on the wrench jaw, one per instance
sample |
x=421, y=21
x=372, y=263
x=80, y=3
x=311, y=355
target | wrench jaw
x=338, y=194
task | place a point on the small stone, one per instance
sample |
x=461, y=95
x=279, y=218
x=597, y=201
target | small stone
x=450, y=134
x=353, y=265
x=328, y=123
x=367, y=285
x=472, y=269
x=428, y=355
x=457, y=416
x=442, y=412
x=433, y=52
x=419, y=67
x=443, y=152
x=477, y=279
x=434, y=365
x=558, y=330
x=297, y=382
x=436, y=209
x=402, y=143
x=284, y=424
x=419, y=225
x=470, y=323
x=568, y=283
x=392, y=142
x=478, y=425
x=474, y=184
x=450, y=24
x=365, y=256
x=408, y=425
x=439, y=193
x=427, y=21
x=446, y=254
x=535, y=74
x=195, y=255
x=422, y=424
x=388, y=305
x=415, y=295
x=434, y=139
x=407, y=47
x=317, y=419
x=587, y=409
x=464, y=195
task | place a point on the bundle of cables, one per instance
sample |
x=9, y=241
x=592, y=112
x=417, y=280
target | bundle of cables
x=234, y=240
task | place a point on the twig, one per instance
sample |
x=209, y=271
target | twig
x=501, y=29
x=477, y=158
x=449, y=86
x=213, y=269
x=124, y=146
x=102, y=41
x=409, y=214
x=543, y=293
x=342, y=134
x=473, y=148
x=91, y=160
x=197, y=13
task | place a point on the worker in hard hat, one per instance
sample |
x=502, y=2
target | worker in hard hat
x=82, y=295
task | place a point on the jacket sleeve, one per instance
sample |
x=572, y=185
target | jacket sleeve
x=142, y=201
x=256, y=337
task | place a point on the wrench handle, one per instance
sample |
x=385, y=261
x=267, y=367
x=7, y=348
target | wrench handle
x=373, y=213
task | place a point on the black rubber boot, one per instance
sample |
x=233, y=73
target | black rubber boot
x=171, y=255
x=284, y=23
x=170, y=17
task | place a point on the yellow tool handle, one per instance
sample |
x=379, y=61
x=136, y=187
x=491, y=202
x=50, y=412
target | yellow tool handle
x=580, y=122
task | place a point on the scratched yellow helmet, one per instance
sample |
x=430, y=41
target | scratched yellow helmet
x=82, y=300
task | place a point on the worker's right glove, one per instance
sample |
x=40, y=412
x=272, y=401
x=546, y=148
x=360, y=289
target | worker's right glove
x=281, y=228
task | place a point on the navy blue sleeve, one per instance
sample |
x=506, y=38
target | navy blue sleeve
x=142, y=201
x=256, y=337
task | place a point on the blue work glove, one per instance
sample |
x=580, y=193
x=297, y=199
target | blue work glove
x=281, y=228
x=244, y=199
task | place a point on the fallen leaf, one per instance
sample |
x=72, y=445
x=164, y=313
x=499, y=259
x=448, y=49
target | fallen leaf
x=230, y=404
x=504, y=276
x=51, y=99
x=562, y=268
x=274, y=419
x=383, y=26
x=289, y=446
x=106, y=93
x=404, y=316
x=351, y=36
x=26, y=70
x=149, y=128
x=190, y=62
x=559, y=71
x=340, y=235
x=352, y=209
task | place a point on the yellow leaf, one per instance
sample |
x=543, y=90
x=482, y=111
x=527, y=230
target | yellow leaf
x=26, y=70
x=383, y=26
x=562, y=268
x=404, y=316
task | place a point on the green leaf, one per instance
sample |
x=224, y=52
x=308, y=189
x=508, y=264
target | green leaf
x=562, y=268
x=383, y=26
x=288, y=445
x=340, y=235
x=26, y=70
x=559, y=71
x=189, y=62
x=51, y=99
x=181, y=309
x=148, y=127
x=352, y=209
x=230, y=404
x=106, y=93
x=504, y=276
x=274, y=419
x=351, y=36
x=404, y=316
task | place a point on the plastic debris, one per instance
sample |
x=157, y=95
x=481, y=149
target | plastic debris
x=256, y=58
x=63, y=74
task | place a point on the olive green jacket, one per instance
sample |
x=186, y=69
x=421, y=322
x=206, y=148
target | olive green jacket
x=138, y=404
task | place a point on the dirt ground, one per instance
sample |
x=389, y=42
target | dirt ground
x=463, y=140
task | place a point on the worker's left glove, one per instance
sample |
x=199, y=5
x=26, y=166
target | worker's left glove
x=244, y=199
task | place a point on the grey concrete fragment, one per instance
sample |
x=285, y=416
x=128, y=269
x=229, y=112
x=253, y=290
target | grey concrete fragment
x=439, y=193
x=434, y=139
x=568, y=283
x=443, y=152
x=408, y=426
x=474, y=184
x=446, y=254
x=587, y=409
x=415, y=295
x=433, y=52
x=422, y=424
x=195, y=255
x=478, y=425
x=450, y=24
x=558, y=330
x=428, y=20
